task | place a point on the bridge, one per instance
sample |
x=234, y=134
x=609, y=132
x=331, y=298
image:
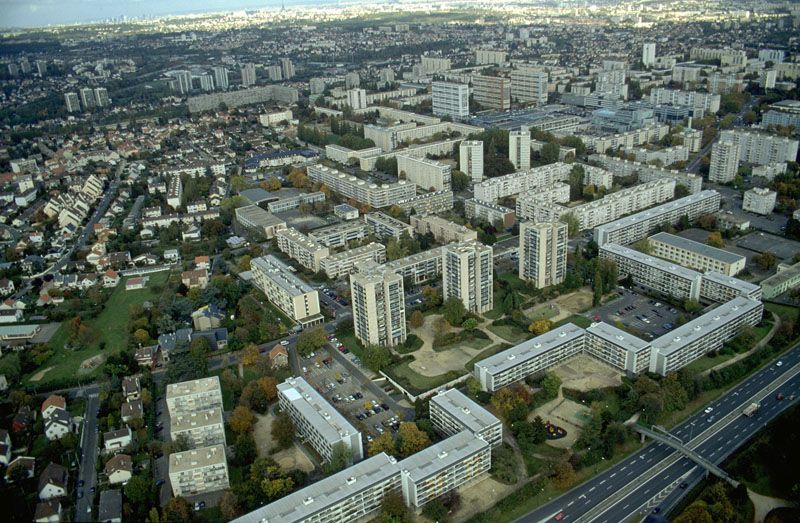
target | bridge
x=663, y=436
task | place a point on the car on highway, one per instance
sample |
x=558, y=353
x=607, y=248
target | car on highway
x=708, y=410
x=779, y=364
x=559, y=516
x=710, y=419
x=779, y=396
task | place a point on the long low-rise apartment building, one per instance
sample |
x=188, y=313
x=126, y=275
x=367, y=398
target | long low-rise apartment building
x=717, y=287
x=285, y=290
x=787, y=278
x=489, y=212
x=198, y=471
x=695, y=255
x=254, y=218
x=428, y=174
x=428, y=203
x=626, y=140
x=308, y=253
x=349, y=495
x=605, y=210
x=654, y=273
x=340, y=234
x=342, y=263
x=293, y=202
x=638, y=226
x=515, y=183
x=385, y=226
x=316, y=420
x=617, y=348
x=204, y=428
x=529, y=203
x=647, y=173
x=452, y=412
x=529, y=357
x=443, y=231
x=441, y=468
x=362, y=191
x=761, y=148
x=420, y=267
x=705, y=334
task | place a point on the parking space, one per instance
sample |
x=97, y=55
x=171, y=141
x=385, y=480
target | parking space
x=645, y=315
x=369, y=413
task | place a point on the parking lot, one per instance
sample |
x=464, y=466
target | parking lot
x=646, y=315
x=365, y=410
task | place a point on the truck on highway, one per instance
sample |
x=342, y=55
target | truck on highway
x=750, y=409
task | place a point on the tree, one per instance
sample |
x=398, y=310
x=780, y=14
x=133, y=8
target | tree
x=394, y=509
x=470, y=324
x=410, y=439
x=341, y=457
x=241, y=420
x=139, y=490
x=383, y=443
x=563, y=475
x=459, y=181
x=431, y=297
x=505, y=400
x=576, y=177
x=277, y=487
x=539, y=327
x=597, y=288
x=697, y=512
x=573, y=224
x=254, y=397
x=244, y=263
x=417, y=319
x=177, y=510
x=229, y=505
x=250, y=355
x=272, y=184
x=283, y=430
x=550, y=384
x=453, y=311
x=269, y=386
x=715, y=239
x=550, y=152
x=435, y=510
x=311, y=340
x=298, y=179
x=473, y=386
x=377, y=358
x=141, y=337
x=245, y=448
x=643, y=245
x=765, y=260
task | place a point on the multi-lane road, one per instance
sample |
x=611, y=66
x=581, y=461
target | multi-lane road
x=657, y=476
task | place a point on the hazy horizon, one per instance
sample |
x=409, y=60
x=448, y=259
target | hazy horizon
x=42, y=13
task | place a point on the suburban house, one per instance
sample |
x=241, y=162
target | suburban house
x=110, y=509
x=26, y=463
x=196, y=279
x=110, y=278
x=6, y=287
x=217, y=338
x=131, y=387
x=207, y=317
x=136, y=283
x=131, y=409
x=172, y=255
x=119, y=469
x=56, y=424
x=48, y=511
x=5, y=447
x=23, y=420
x=53, y=482
x=54, y=401
x=202, y=262
x=279, y=356
x=146, y=356
x=116, y=440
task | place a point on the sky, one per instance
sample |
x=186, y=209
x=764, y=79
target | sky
x=38, y=13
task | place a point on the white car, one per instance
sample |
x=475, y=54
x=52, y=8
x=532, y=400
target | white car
x=284, y=342
x=708, y=410
x=779, y=364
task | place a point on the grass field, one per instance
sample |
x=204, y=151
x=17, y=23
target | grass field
x=510, y=333
x=577, y=319
x=706, y=362
x=110, y=326
x=542, y=313
x=418, y=382
x=494, y=349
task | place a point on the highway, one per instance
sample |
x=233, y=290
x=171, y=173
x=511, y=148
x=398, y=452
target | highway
x=656, y=471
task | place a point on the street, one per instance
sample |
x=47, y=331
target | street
x=88, y=468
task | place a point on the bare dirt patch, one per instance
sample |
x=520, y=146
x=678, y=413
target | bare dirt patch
x=586, y=373
x=39, y=375
x=93, y=362
x=291, y=458
x=566, y=414
x=481, y=496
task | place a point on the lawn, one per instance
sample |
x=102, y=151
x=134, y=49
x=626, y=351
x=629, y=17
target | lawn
x=110, y=326
x=417, y=382
x=706, y=362
x=577, y=319
x=509, y=333
x=491, y=351
x=542, y=313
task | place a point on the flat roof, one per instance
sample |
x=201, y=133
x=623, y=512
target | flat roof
x=257, y=215
x=531, y=348
x=730, y=281
x=185, y=388
x=441, y=456
x=385, y=219
x=302, y=504
x=657, y=211
x=19, y=330
x=298, y=237
x=314, y=408
x=617, y=336
x=281, y=275
x=708, y=251
x=355, y=251
x=651, y=261
x=690, y=332
x=192, y=459
x=196, y=419
x=473, y=416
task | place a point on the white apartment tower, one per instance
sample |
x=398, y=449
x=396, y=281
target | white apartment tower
x=248, y=75
x=357, y=98
x=287, y=68
x=379, y=310
x=724, y=162
x=220, y=77
x=471, y=159
x=519, y=149
x=72, y=102
x=529, y=85
x=87, y=98
x=649, y=54
x=543, y=253
x=450, y=99
x=467, y=274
